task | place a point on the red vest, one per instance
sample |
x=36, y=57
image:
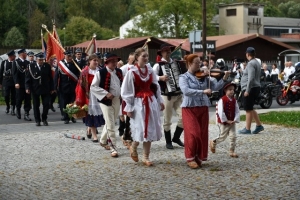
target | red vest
x=228, y=108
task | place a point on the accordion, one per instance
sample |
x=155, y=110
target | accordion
x=173, y=70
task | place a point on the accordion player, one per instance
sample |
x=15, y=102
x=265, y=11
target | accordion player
x=172, y=70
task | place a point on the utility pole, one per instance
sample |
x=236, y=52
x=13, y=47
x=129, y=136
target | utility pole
x=204, y=28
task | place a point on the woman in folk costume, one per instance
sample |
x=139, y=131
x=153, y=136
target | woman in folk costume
x=141, y=93
x=94, y=118
x=195, y=114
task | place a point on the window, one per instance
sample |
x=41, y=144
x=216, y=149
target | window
x=295, y=30
x=275, y=32
x=252, y=12
x=231, y=12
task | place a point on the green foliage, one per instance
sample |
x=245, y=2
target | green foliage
x=290, y=9
x=14, y=38
x=289, y=119
x=80, y=29
x=167, y=18
x=36, y=20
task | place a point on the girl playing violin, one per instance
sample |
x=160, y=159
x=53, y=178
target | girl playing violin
x=195, y=110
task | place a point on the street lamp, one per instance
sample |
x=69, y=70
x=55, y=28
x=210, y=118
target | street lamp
x=64, y=36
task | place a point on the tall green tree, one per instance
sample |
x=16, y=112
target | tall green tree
x=14, y=38
x=80, y=29
x=36, y=20
x=170, y=18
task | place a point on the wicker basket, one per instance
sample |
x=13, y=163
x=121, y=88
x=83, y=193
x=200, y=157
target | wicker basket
x=80, y=114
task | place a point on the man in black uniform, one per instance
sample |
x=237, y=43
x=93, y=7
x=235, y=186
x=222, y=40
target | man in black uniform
x=20, y=66
x=80, y=62
x=39, y=83
x=65, y=80
x=30, y=55
x=7, y=81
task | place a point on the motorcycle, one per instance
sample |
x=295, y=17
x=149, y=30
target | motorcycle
x=290, y=92
x=265, y=98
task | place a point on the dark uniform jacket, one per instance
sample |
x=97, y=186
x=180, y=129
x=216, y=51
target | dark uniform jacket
x=81, y=63
x=62, y=82
x=19, y=69
x=6, y=76
x=39, y=81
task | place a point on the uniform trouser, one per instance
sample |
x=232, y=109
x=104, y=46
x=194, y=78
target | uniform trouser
x=173, y=103
x=66, y=98
x=36, y=106
x=227, y=130
x=52, y=98
x=110, y=114
x=21, y=96
x=10, y=95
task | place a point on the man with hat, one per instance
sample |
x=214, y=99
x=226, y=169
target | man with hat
x=6, y=79
x=65, y=81
x=30, y=55
x=78, y=58
x=106, y=86
x=250, y=86
x=172, y=100
x=100, y=56
x=39, y=83
x=20, y=68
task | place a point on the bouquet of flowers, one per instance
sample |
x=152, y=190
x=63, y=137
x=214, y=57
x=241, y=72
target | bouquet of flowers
x=76, y=111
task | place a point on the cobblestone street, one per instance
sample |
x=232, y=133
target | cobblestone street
x=43, y=164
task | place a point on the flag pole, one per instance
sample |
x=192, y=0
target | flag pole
x=91, y=42
x=147, y=41
x=50, y=34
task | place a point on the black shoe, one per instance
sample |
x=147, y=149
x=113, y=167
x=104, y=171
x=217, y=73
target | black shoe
x=26, y=117
x=38, y=123
x=89, y=136
x=66, y=122
x=176, y=137
x=18, y=113
x=169, y=146
x=178, y=141
x=63, y=118
x=97, y=131
x=95, y=140
x=52, y=108
x=73, y=120
x=45, y=123
x=7, y=110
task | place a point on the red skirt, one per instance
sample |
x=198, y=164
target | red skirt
x=195, y=122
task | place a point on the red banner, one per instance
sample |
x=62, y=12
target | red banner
x=54, y=48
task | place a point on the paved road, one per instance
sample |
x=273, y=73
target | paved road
x=40, y=163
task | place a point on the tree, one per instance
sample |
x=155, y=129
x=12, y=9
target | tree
x=167, y=18
x=36, y=20
x=14, y=38
x=80, y=29
x=290, y=9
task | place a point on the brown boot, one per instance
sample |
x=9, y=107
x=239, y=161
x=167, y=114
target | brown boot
x=212, y=146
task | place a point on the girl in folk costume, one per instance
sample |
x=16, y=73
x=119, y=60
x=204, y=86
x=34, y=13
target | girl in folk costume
x=94, y=118
x=195, y=114
x=141, y=92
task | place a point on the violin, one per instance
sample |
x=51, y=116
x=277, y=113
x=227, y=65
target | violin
x=215, y=73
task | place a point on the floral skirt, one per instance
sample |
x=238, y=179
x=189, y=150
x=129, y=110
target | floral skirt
x=93, y=121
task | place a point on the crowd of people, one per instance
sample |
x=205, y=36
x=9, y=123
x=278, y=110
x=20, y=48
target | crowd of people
x=136, y=93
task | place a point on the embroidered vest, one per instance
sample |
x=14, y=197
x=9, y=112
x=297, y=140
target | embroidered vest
x=228, y=108
x=105, y=83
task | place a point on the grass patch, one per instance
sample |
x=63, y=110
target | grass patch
x=288, y=119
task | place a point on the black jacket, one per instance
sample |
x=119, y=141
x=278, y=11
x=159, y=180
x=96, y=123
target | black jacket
x=39, y=81
x=6, y=73
x=62, y=82
x=19, y=69
x=81, y=63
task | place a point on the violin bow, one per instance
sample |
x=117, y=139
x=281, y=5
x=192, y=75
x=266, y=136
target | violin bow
x=208, y=70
